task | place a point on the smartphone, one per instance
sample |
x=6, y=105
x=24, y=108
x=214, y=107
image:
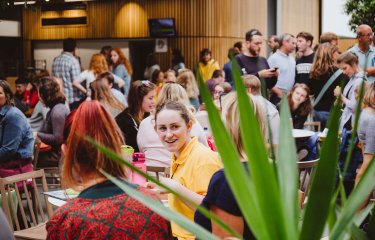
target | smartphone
x=274, y=69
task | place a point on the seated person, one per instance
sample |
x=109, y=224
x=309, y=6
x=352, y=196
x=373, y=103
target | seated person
x=101, y=210
x=217, y=77
x=108, y=79
x=16, y=137
x=21, y=85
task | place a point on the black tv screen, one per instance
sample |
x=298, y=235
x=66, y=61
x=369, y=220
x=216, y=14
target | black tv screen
x=162, y=27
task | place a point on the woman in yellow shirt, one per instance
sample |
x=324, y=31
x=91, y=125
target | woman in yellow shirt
x=207, y=65
x=193, y=164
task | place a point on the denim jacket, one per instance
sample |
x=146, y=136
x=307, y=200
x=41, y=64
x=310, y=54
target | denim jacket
x=16, y=136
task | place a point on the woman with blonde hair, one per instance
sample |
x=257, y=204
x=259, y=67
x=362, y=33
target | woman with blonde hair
x=148, y=140
x=323, y=69
x=98, y=65
x=219, y=198
x=102, y=210
x=186, y=79
x=101, y=92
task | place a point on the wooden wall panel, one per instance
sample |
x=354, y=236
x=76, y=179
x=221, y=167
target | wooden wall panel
x=346, y=43
x=301, y=15
x=215, y=24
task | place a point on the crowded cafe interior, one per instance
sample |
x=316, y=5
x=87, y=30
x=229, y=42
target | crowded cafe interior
x=199, y=119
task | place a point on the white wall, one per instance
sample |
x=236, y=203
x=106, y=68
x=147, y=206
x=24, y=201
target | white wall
x=48, y=50
x=10, y=28
x=334, y=19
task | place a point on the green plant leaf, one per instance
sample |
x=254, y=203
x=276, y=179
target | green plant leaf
x=239, y=181
x=112, y=155
x=287, y=170
x=262, y=171
x=356, y=233
x=159, y=208
x=356, y=198
x=323, y=182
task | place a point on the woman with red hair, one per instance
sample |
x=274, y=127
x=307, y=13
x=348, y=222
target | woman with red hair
x=122, y=68
x=101, y=210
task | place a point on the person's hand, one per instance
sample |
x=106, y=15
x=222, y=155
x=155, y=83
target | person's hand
x=150, y=185
x=35, y=135
x=337, y=91
x=267, y=73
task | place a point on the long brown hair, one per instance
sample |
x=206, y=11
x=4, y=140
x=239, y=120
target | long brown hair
x=82, y=158
x=187, y=79
x=122, y=60
x=100, y=92
x=305, y=108
x=324, y=61
x=138, y=90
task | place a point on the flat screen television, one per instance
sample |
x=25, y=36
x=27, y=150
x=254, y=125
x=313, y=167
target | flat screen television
x=162, y=27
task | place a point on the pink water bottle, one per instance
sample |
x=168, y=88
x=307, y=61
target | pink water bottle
x=139, y=161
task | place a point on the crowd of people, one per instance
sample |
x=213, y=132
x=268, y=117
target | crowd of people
x=157, y=116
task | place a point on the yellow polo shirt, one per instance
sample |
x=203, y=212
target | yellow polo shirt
x=208, y=69
x=192, y=169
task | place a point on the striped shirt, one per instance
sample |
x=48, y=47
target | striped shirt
x=66, y=67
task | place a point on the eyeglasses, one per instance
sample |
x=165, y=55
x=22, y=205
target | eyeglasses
x=370, y=35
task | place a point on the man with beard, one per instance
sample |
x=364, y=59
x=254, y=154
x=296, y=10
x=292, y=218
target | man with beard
x=251, y=63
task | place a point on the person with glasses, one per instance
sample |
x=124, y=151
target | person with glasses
x=364, y=50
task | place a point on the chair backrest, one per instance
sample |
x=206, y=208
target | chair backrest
x=314, y=126
x=155, y=170
x=305, y=173
x=31, y=196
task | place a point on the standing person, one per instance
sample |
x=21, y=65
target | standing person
x=304, y=63
x=101, y=93
x=193, y=164
x=251, y=63
x=286, y=64
x=232, y=52
x=178, y=61
x=366, y=129
x=102, y=210
x=67, y=68
x=364, y=50
x=239, y=47
x=219, y=199
x=323, y=69
x=207, y=65
x=273, y=43
x=187, y=80
x=141, y=103
x=151, y=65
x=98, y=65
x=106, y=51
x=16, y=136
x=329, y=37
x=122, y=68
x=348, y=63
x=52, y=130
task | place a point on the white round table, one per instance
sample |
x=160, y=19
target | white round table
x=301, y=133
